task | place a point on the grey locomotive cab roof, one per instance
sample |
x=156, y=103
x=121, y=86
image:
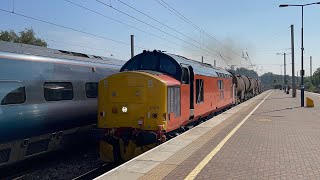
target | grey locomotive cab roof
x=27, y=49
x=199, y=67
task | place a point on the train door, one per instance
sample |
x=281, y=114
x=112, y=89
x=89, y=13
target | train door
x=188, y=78
x=191, y=91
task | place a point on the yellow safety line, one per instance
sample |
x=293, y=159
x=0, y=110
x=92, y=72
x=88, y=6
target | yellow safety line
x=206, y=160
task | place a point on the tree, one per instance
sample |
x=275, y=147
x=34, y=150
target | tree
x=270, y=80
x=316, y=77
x=316, y=80
x=26, y=37
x=10, y=36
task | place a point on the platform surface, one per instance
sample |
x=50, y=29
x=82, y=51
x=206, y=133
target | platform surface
x=267, y=137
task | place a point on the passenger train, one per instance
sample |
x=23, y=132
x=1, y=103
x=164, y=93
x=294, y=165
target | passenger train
x=47, y=96
x=157, y=95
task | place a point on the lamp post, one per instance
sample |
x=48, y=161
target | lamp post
x=302, y=48
x=282, y=82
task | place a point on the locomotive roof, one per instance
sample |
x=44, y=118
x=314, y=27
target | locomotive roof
x=199, y=67
x=55, y=53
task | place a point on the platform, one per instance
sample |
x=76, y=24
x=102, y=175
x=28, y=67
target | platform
x=267, y=137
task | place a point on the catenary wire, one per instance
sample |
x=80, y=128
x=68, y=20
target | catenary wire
x=66, y=27
x=137, y=19
x=181, y=16
x=118, y=21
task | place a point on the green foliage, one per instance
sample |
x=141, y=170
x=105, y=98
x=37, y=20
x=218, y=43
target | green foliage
x=311, y=87
x=27, y=37
x=270, y=80
x=316, y=78
x=308, y=85
x=10, y=36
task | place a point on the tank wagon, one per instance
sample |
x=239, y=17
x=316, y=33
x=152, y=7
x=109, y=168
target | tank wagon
x=47, y=97
x=157, y=95
x=245, y=87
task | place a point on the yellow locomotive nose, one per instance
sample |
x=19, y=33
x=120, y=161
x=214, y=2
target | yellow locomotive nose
x=133, y=100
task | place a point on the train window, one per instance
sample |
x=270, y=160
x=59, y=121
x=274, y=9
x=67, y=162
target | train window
x=65, y=52
x=154, y=62
x=12, y=93
x=199, y=91
x=220, y=84
x=131, y=66
x=167, y=66
x=74, y=54
x=148, y=62
x=91, y=89
x=174, y=101
x=57, y=91
x=79, y=54
x=185, y=75
x=97, y=57
x=221, y=88
x=221, y=95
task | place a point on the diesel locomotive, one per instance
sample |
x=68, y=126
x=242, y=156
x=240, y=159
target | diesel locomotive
x=47, y=97
x=157, y=95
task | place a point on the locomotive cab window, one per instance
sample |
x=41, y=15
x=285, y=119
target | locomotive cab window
x=185, y=75
x=91, y=89
x=148, y=62
x=57, y=91
x=12, y=93
x=154, y=61
x=221, y=88
x=131, y=66
x=199, y=91
x=167, y=66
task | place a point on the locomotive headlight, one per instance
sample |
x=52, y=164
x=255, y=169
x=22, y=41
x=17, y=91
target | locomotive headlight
x=124, y=109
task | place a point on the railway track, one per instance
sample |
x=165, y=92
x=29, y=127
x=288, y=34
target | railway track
x=96, y=172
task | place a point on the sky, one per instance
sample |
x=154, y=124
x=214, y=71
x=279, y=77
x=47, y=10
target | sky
x=258, y=28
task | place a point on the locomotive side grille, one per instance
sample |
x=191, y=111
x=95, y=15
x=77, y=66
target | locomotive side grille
x=37, y=147
x=4, y=155
x=174, y=100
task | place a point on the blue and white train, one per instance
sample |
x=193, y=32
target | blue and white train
x=46, y=97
